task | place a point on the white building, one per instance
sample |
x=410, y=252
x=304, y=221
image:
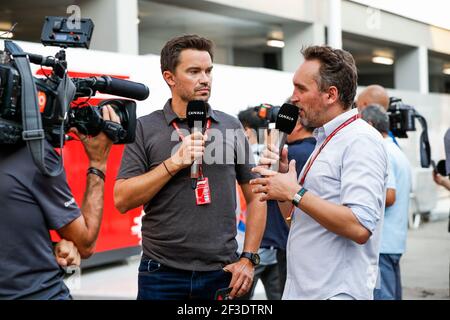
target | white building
x=409, y=57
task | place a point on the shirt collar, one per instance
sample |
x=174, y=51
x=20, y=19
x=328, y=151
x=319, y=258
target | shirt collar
x=331, y=125
x=170, y=115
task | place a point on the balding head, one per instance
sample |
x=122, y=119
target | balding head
x=373, y=94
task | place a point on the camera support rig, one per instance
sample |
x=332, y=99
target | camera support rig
x=20, y=116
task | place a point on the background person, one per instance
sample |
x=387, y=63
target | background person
x=373, y=94
x=267, y=270
x=300, y=144
x=395, y=225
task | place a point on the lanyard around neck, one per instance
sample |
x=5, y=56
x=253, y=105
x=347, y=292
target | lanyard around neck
x=312, y=159
x=177, y=128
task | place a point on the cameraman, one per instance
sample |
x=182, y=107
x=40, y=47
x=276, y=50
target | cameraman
x=375, y=94
x=252, y=125
x=32, y=204
x=441, y=179
x=395, y=226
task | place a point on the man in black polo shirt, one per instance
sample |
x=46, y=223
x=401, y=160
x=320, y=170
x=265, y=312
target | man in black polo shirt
x=190, y=249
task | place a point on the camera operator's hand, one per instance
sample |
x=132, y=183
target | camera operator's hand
x=97, y=148
x=270, y=156
x=440, y=180
x=67, y=254
x=192, y=147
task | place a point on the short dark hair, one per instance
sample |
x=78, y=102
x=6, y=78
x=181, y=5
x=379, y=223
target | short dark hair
x=250, y=119
x=377, y=116
x=170, y=54
x=337, y=68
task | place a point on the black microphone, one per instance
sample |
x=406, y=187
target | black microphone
x=286, y=121
x=447, y=162
x=196, y=118
x=440, y=168
x=120, y=87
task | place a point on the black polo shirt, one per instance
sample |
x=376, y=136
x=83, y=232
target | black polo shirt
x=175, y=231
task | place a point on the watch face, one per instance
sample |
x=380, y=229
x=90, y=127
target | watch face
x=256, y=259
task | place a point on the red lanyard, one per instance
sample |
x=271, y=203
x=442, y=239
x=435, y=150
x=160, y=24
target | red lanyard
x=311, y=160
x=175, y=125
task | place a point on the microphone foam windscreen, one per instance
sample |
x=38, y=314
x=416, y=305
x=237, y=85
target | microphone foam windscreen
x=440, y=168
x=447, y=150
x=196, y=113
x=287, y=118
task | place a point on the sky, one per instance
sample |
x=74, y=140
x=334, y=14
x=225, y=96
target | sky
x=435, y=12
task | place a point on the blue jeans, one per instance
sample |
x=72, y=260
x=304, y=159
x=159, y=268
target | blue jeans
x=390, y=284
x=159, y=282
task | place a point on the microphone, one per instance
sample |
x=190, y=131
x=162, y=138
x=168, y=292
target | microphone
x=196, y=118
x=120, y=87
x=440, y=168
x=286, y=121
x=447, y=151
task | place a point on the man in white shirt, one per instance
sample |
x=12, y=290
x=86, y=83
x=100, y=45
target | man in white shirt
x=339, y=199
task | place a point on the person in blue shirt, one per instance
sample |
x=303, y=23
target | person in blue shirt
x=301, y=144
x=267, y=270
x=393, y=236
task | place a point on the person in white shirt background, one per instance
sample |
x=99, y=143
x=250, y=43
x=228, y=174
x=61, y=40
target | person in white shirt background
x=395, y=226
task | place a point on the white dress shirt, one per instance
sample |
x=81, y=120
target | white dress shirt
x=352, y=171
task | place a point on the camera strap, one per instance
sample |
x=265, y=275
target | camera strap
x=33, y=133
x=425, y=150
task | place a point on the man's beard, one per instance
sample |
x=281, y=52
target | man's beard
x=192, y=97
x=311, y=122
x=304, y=122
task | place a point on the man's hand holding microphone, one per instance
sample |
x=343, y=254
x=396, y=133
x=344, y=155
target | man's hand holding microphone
x=192, y=147
x=279, y=177
x=281, y=185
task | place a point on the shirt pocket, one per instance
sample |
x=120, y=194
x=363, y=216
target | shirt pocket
x=326, y=176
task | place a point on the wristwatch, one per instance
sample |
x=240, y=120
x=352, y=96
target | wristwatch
x=253, y=257
x=298, y=196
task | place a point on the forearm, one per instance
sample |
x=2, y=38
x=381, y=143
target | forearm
x=338, y=219
x=446, y=184
x=92, y=211
x=136, y=191
x=286, y=208
x=255, y=225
